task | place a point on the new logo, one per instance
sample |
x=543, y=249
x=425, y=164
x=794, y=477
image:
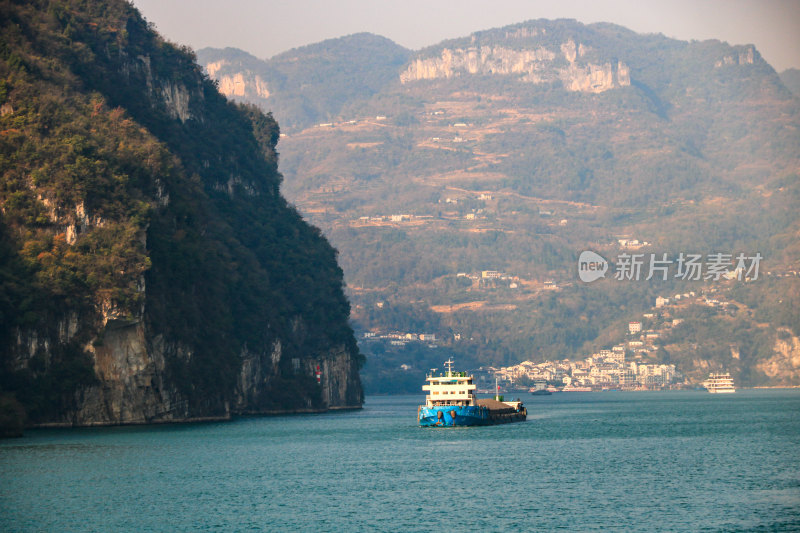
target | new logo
x=591, y=266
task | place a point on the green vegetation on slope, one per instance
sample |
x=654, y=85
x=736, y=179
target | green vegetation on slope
x=131, y=185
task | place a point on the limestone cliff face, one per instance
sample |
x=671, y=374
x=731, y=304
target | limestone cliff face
x=243, y=84
x=532, y=65
x=592, y=78
x=744, y=57
x=484, y=60
x=133, y=385
x=174, y=95
x=783, y=368
x=335, y=371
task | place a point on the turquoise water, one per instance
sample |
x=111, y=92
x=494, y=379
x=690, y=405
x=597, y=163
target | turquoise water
x=672, y=461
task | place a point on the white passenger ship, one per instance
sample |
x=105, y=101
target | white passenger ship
x=719, y=383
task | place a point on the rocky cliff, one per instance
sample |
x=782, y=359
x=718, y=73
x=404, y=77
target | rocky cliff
x=246, y=85
x=533, y=65
x=783, y=368
x=150, y=271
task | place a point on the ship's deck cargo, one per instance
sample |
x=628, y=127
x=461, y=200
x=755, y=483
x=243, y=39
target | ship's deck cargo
x=494, y=406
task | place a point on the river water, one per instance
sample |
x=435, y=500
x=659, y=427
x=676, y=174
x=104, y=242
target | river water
x=619, y=461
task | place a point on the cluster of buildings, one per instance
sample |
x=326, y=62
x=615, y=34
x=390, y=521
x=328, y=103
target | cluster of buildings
x=391, y=218
x=456, y=139
x=487, y=277
x=631, y=244
x=691, y=298
x=486, y=274
x=627, y=365
x=401, y=339
x=603, y=370
x=407, y=217
x=379, y=118
x=623, y=366
x=482, y=196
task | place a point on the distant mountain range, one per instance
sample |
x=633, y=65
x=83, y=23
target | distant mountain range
x=513, y=149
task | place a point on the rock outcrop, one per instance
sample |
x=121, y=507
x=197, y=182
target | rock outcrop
x=485, y=60
x=783, y=368
x=243, y=84
x=532, y=65
x=744, y=57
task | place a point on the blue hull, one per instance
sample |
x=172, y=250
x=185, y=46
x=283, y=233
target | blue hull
x=452, y=415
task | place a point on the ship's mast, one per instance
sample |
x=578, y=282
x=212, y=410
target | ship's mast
x=449, y=364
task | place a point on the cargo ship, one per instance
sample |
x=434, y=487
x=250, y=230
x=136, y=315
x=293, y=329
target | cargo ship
x=451, y=401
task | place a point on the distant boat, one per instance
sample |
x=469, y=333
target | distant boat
x=540, y=389
x=719, y=383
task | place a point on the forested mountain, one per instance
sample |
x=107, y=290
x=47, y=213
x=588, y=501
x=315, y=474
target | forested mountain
x=149, y=268
x=514, y=149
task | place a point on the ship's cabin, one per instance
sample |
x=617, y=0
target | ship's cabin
x=449, y=388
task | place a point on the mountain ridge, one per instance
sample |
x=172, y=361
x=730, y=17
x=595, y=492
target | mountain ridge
x=520, y=34
x=332, y=82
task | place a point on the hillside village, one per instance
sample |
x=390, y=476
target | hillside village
x=627, y=365
x=631, y=364
x=624, y=366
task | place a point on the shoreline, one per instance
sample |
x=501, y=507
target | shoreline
x=194, y=420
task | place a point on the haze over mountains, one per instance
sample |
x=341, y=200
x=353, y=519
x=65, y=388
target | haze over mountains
x=514, y=149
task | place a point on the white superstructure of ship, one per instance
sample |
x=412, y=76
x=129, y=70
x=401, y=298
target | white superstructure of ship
x=719, y=383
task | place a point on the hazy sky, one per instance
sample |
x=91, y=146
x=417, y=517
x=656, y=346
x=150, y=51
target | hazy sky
x=267, y=27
